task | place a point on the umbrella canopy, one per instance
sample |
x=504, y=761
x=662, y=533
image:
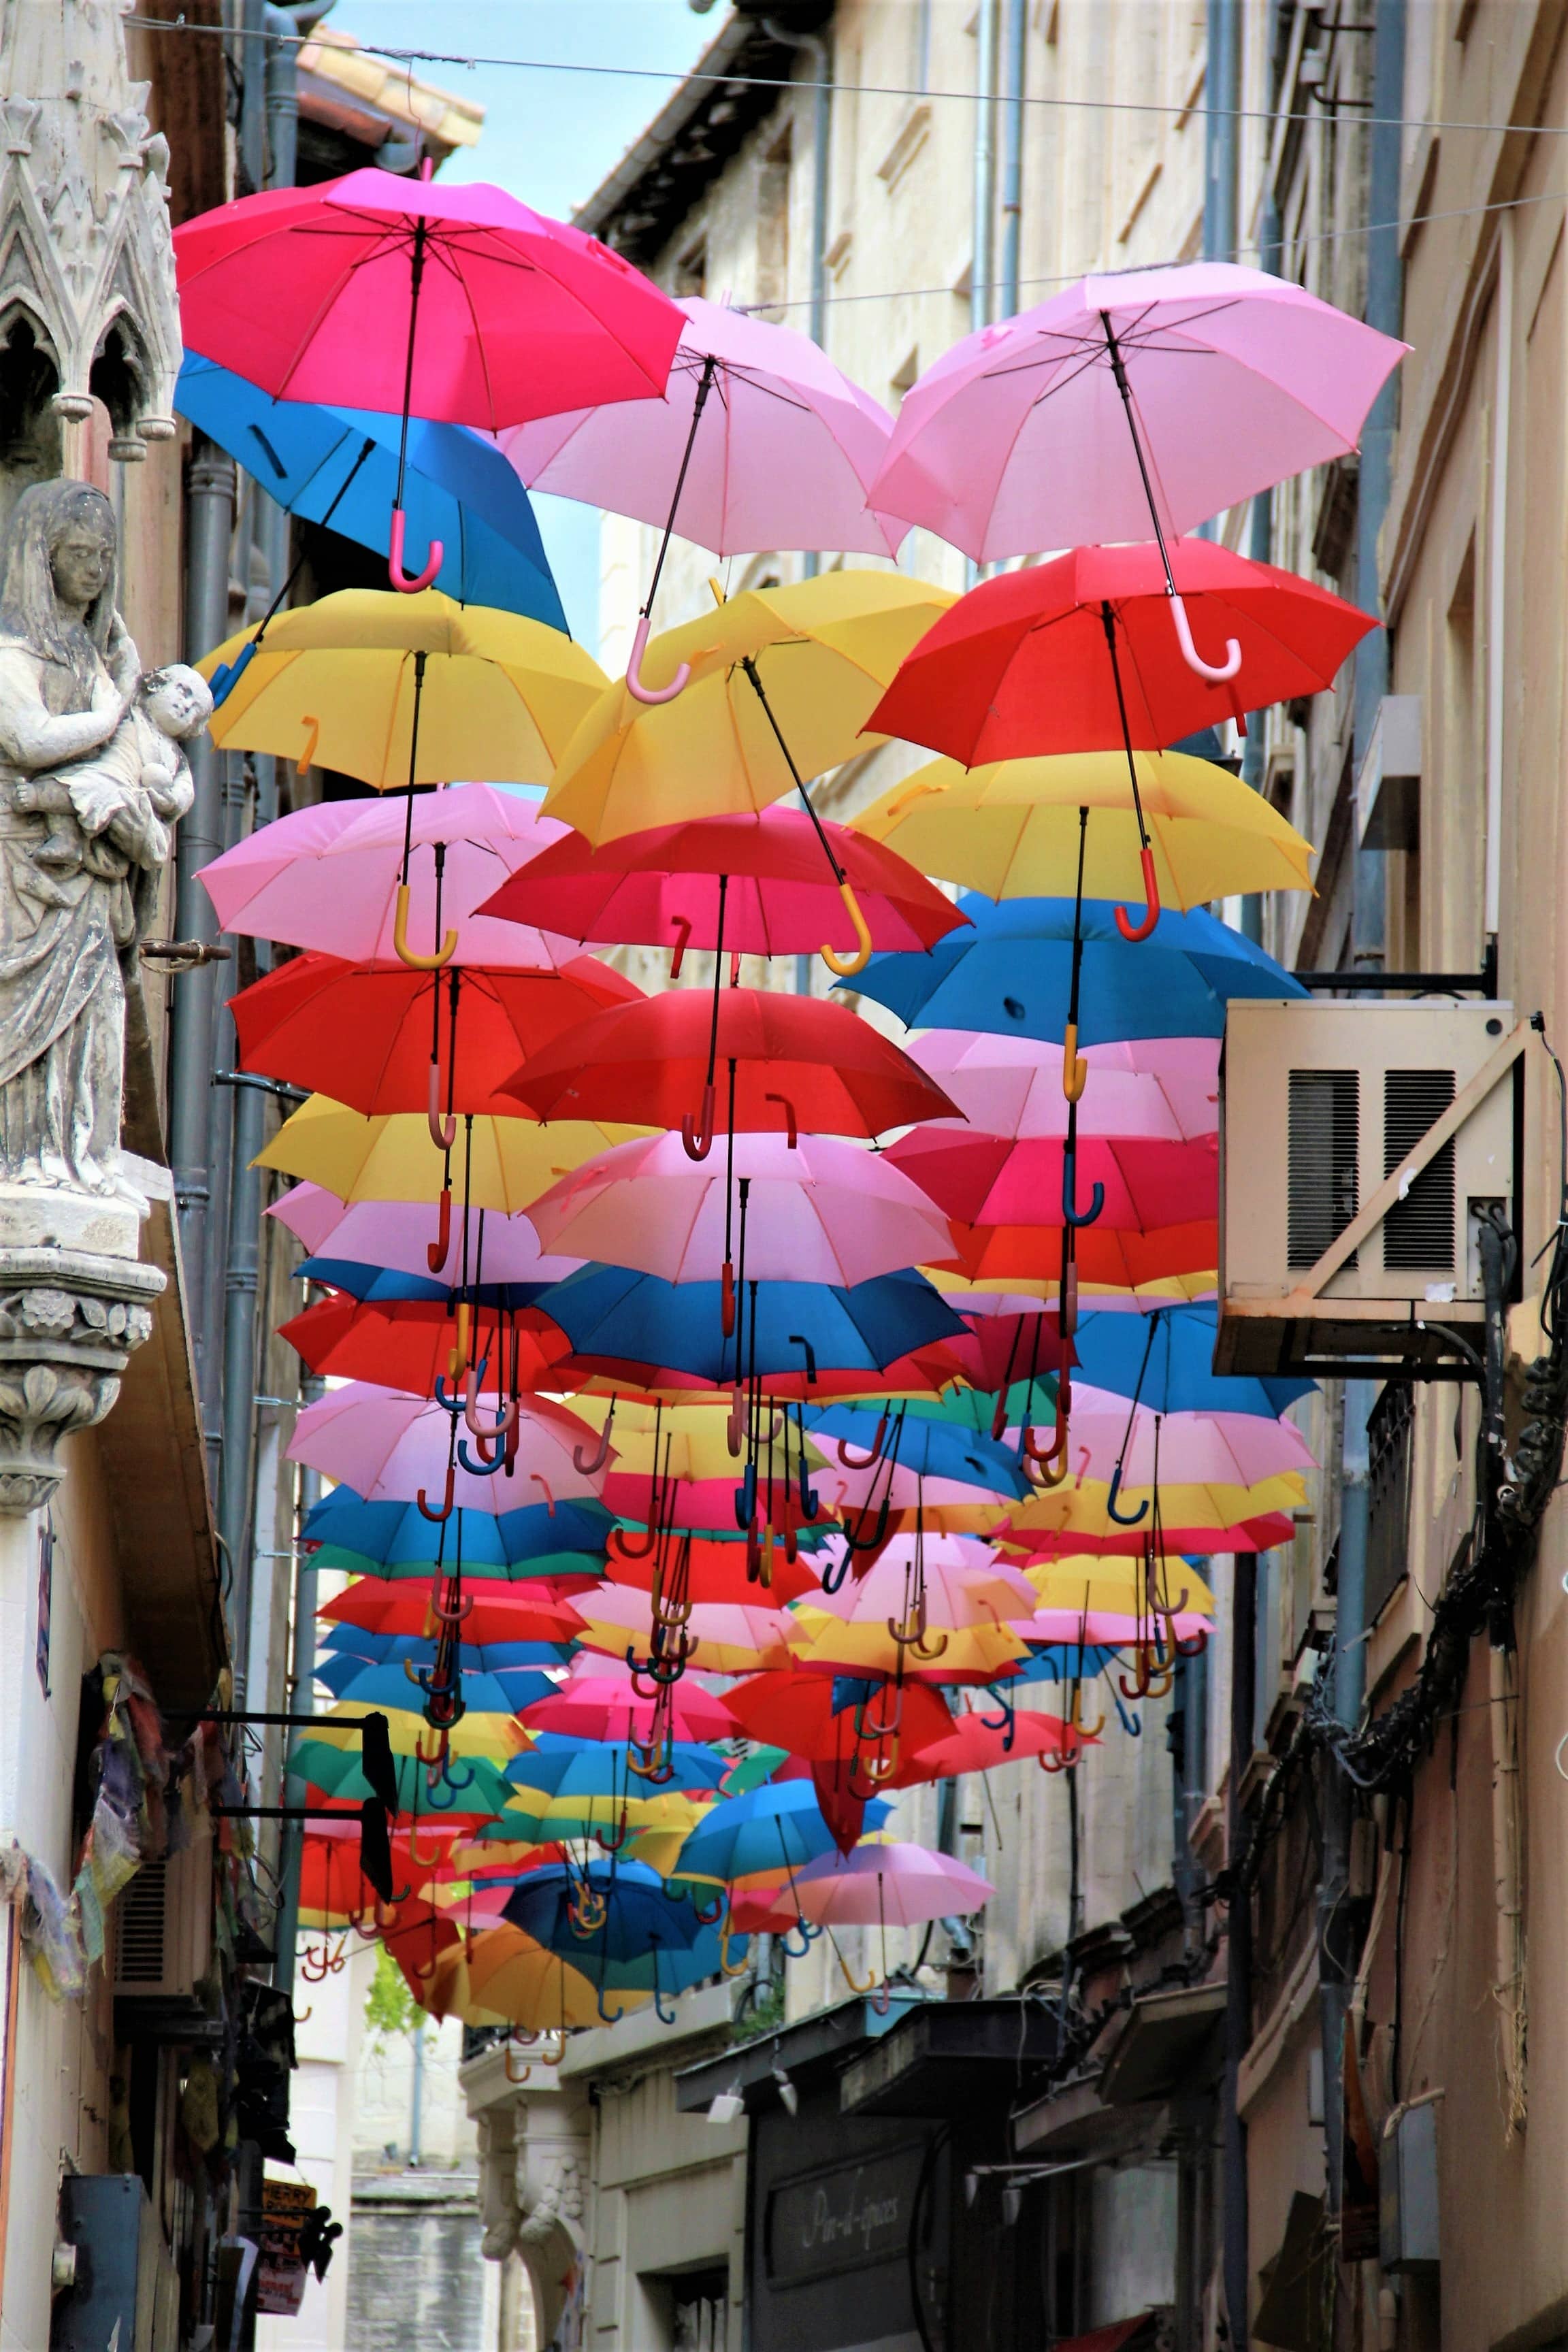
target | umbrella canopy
x=1016, y=438
x=800, y=1063
x=340, y=466
x=613, y=1314
x=506, y=1162
x=661, y=888
x=1077, y=654
x=1012, y=1087
x=903, y=1455
x=1166, y=1360
x=979, y=1743
x=393, y=1447
x=537, y=1991
x=987, y=1180
x=308, y=292
x=1163, y=1257
x=359, y=1682
x=892, y=1885
x=821, y=650
x=1012, y=973
x=333, y=685
x=404, y=1344
x=369, y=1611
x=823, y=1211
x=328, y=877
x=362, y=1032
x=716, y=1636
x=780, y=451
x=775, y=1829
x=378, y=1539
x=599, y=1701
x=806, y=1714
x=1011, y=827
x=397, y=1236
x=1231, y=1452
x=710, y=1571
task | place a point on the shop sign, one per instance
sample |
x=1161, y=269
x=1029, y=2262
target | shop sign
x=844, y=2217
x=280, y=2271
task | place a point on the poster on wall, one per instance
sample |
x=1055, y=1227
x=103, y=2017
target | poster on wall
x=280, y=2271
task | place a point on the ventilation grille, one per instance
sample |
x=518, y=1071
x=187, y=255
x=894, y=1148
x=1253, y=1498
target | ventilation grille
x=141, y=1909
x=1325, y=1139
x=1418, y=1232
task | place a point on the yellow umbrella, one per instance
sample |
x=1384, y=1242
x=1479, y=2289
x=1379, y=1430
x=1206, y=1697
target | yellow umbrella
x=717, y=1638
x=1011, y=829
x=494, y=1736
x=1072, y=1508
x=1092, y=1582
x=334, y=684
x=867, y=1646
x=692, y=1437
x=394, y=1159
x=822, y=651
x=1164, y=1290
x=538, y=1990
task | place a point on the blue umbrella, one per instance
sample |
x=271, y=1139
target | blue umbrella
x=392, y=1539
x=382, y=1285
x=560, y=1766
x=339, y=465
x=614, y=1311
x=639, y=1919
x=931, y=1447
x=1011, y=974
x=1166, y=1359
x=352, y=1642
x=358, y=1683
x=779, y=1825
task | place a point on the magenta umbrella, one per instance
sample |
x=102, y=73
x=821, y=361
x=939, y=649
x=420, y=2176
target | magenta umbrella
x=892, y=1885
x=455, y=303
x=819, y=1210
x=759, y=442
x=1130, y=403
x=328, y=877
x=390, y=1448
x=400, y=1236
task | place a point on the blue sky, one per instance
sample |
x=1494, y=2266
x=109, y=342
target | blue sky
x=550, y=138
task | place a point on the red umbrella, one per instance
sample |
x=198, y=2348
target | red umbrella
x=1123, y=1258
x=754, y=883
x=370, y=1034
x=794, y=1709
x=993, y=1180
x=536, y=1615
x=1264, y=1533
x=1031, y=662
x=405, y=1343
x=974, y=1744
x=602, y=1704
x=459, y=303
x=714, y=1571
x=1001, y=1348
x=800, y=1063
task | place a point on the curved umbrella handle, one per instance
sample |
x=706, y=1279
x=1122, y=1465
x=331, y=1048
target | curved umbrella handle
x=306, y=759
x=746, y=1496
x=849, y=1979
x=1075, y=1718
x=458, y=1356
x=641, y=1548
x=1191, y=1645
x=1074, y=1069
x=841, y=1446
x=228, y=674
x=435, y=1250
x=539, y=1479
x=446, y=1510
x=798, y=1340
x=465, y=1608
x=505, y=1421
x=444, y=953
x=514, y=2079
x=678, y=953
x=1071, y=1214
x=1123, y=1518
x=634, y=686
x=698, y=1136
x=443, y=1131
x=585, y=1467
x=476, y=1466
x=405, y=583
x=848, y=966
x=1131, y=932
x=792, y=1125
x=1216, y=673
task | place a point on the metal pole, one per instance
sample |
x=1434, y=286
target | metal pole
x=301, y=1680
x=282, y=96
x=818, y=59
x=1336, y=1952
x=1238, y=1945
x=983, y=266
x=1015, y=30
x=252, y=96
x=1221, y=94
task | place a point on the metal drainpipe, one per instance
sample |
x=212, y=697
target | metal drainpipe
x=1384, y=309
x=209, y=507
x=1237, y=2267
x=301, y=1680
x=1014, y=31
x=1223, y=78
x=983, y=265
x=1261, y=548
x=252, y=96
x=1336, y=1951
x=282, y=95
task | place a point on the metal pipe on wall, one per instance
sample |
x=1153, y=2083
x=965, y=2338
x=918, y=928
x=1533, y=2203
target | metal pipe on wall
x=1015, y=68
x=1336, y=1948
x=982, y=266
x=818, y=56
x=1221, y=97
x=1237, y=2268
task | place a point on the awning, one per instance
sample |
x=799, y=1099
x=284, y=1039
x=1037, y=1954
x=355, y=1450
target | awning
x=1169, y=2044
x=950, y=2058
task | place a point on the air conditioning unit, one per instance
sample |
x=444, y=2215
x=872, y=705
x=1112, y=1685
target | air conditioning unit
x=162, y=1933
x=1361, y=1145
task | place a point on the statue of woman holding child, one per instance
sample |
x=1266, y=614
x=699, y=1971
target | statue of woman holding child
x=92, y=774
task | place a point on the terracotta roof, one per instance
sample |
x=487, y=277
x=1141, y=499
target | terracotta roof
x=370, y=99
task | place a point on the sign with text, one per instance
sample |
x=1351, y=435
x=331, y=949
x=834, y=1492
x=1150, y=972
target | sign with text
x=280, y=2271
x=844, y=2217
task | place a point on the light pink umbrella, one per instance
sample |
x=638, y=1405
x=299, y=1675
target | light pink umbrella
x=1221, y=1449
x=391, y=1447
x=761, y=1634
x=1012, y=1086
x=328, y=877
x=759, y=442
x=891, y=1885
x=964, y=1584
x=398, y=1235
x=906, y=1489
x=826, y=1210
x=1103, y=1628
x=1128, y=404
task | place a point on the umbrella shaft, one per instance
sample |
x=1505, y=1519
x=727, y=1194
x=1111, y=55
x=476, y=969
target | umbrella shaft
x=416, y=273
x=1119, y=371
x=705, y=385
x=750, y=667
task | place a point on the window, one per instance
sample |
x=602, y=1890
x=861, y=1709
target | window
x=1388, y=1432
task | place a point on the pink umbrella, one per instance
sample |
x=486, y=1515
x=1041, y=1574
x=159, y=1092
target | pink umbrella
x=964, y=1584
x=1218, y=1449
x=1109, y=1629
x=1012, y=1086
x=625, y=1615
x=988, y=1180
x=392, y=1447
x=759, y=442
x=599, y=1701
x=1147, y=400
x=821, y=1211
x=892, y=1885
x=457, y=303
x=329, y=876
x=399, y=1234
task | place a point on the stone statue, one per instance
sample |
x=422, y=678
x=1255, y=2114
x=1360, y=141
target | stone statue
x=92, y=774
x=91, y=771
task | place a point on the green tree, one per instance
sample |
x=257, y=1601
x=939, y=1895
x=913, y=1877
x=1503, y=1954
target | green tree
x=389, y=2007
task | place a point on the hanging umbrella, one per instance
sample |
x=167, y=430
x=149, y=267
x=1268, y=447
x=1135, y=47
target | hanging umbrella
x=771, y=1829
x=389, y=1537
x=369, y=1611
x=1074, y=1520
x=980, y=1743
x=319, y=294
x=714, y=1637
x=327, y=876
x=797, y=1711
x=1010, y=827
x=403, y=1345
x=663, y=889
x=1121, y=1256
x=894, y=1886
x=1012, y=973
x=339, y=466
x=1164, y=393
x=712, y=1572
x=1164, y=1090
x=987, y=1180
x=600, y=1702
x=561, y=1765
x=823, y=1210
x=924, y=1448
x=507, y=1161
x=397, y=1447
x=397, y=1236
x=541, y=1992
x=1165, y=1360
x=483, y=1692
